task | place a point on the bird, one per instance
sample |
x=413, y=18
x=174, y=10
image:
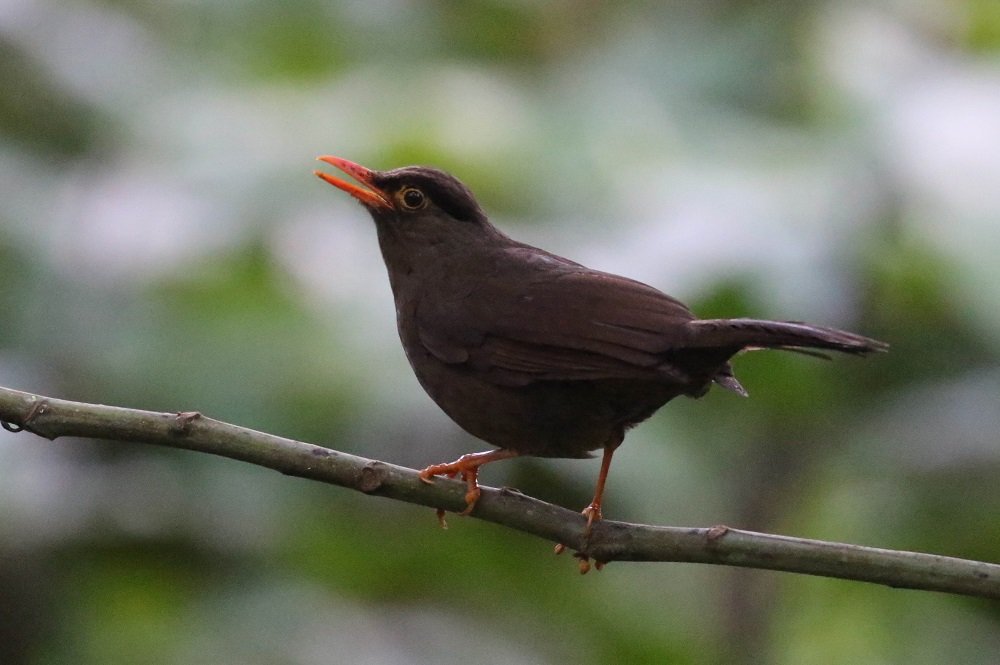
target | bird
x=533, y=353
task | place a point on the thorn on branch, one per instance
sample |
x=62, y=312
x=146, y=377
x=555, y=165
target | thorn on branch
x=370, y=478
x=11, y=427
x=182, y=422
x=716, y=532
x=37, y=409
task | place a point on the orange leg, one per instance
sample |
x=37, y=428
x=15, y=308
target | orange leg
x=468, y=467
x=593, y=511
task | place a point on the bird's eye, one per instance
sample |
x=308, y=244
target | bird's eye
x=412, y=198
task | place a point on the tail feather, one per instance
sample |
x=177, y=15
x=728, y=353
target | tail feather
x=790, y=335
x=727, y=380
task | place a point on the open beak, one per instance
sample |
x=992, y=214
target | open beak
x=370, y=195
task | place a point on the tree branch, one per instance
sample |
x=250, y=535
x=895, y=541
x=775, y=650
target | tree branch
x=609, y=541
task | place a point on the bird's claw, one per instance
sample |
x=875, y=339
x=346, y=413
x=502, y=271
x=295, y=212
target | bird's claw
x=593, y=514
x=468, y=467
x=451, y=470
x=472, y=496
x=585, y=565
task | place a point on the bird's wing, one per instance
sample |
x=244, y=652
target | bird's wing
x=559, y=322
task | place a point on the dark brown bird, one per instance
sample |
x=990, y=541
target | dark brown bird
x=533, y=353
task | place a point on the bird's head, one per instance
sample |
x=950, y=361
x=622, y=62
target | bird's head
x=413, y=196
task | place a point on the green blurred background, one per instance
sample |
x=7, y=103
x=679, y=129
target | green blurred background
x=163, y=245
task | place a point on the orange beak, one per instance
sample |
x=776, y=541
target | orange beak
x=369, y=195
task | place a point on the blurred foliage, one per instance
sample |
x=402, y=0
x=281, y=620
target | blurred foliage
x=163, y=246
x=983, y=25
x=37, y=115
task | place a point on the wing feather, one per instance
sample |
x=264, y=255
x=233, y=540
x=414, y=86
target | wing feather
x=562, y=323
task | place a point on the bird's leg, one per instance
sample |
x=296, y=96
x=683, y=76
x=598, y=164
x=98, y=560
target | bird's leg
x=593, y=511
x=468, y=467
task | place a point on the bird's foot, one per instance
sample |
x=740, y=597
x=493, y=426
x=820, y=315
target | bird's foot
x=466, y=466
x=593, y=514
x=583, y=560
x=469, y=470
x=584, y=563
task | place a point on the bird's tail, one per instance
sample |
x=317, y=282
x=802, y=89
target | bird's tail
x=791, y=335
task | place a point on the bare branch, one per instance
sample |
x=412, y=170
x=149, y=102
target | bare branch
x=609, y=541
